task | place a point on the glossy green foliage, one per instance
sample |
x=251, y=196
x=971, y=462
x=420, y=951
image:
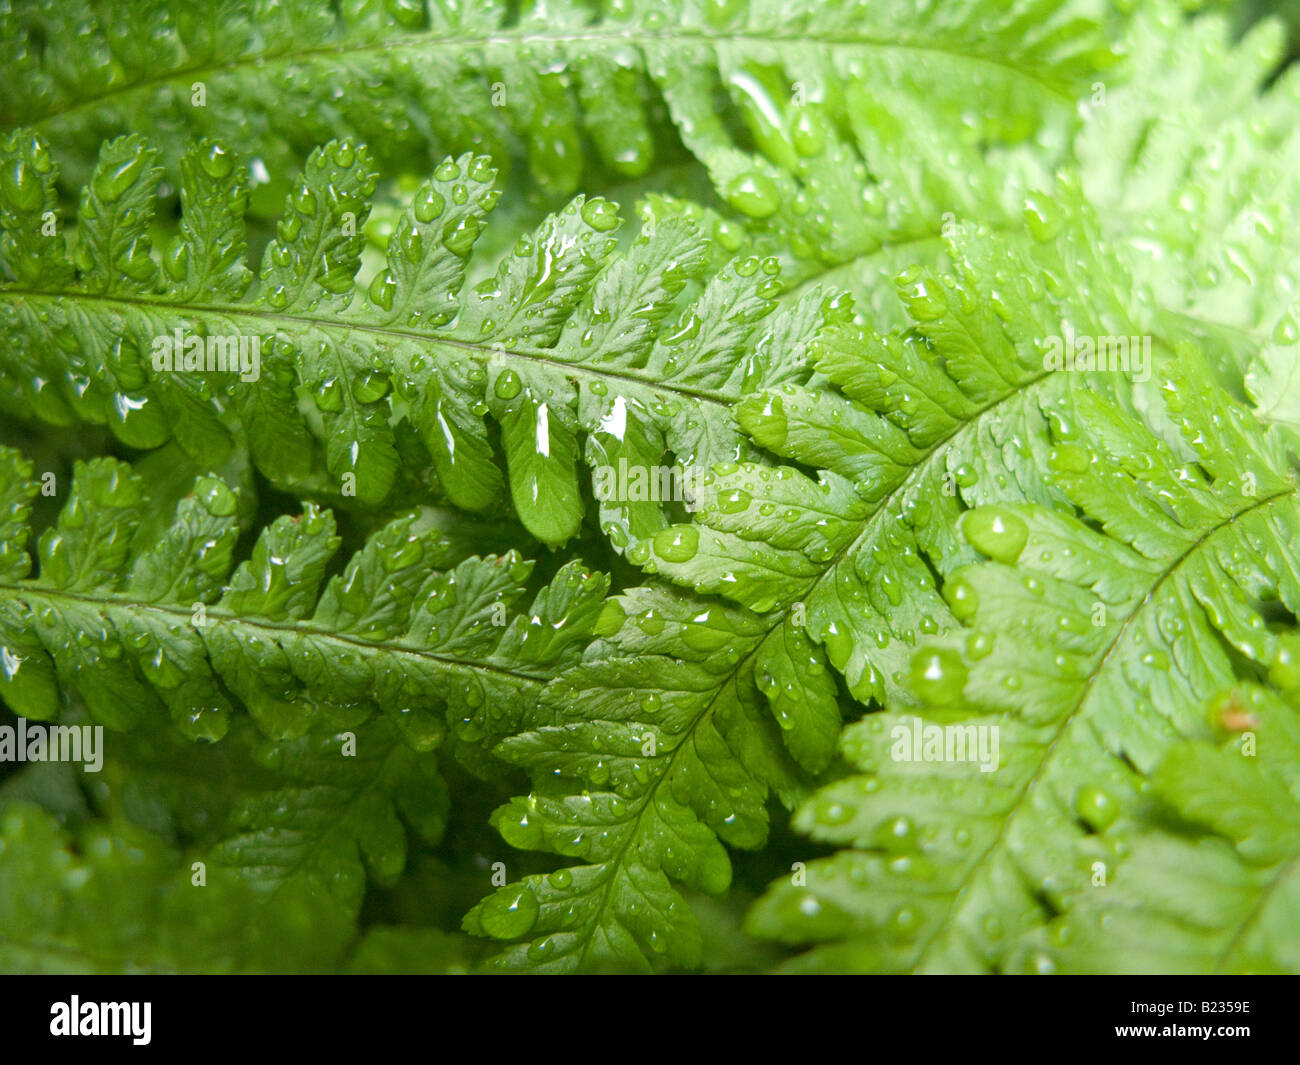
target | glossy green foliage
x=256, y=858
x=941, y=653
x=1093, y=643
x=146, y=630
x=672, y=732
x=575, y=355
x=572, y=83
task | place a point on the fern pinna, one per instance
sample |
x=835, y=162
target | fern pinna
x=1106, y=646
x=971, y=460
x=145, y=631
x=577, y=354
x=822, y=576
x=572, y=84
x=794, y=112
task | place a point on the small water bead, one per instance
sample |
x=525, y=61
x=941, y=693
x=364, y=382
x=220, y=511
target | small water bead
x=290, y=226
x=753, y=194
x=507, y=385
x=459, y=235
x=1096, y=808
x=734, y=501
x=370, y=387
x=1286, y=331
x=904, y=921
x=510, y=913
x=428, y=205
x=996, y=532
x=328, y=394
x=215, y=161
x=938, y=676
x=962, y=598
x=110, y=182
x=896, y=835
x=1043, y=217
x=481, y=170
x=1284, y=671
x=978, y=645
x=382, y=290
x=650, y=623
x=412, y=243
x=344, y=154
x=808, y=133
x=601, y=215
x=677, y=543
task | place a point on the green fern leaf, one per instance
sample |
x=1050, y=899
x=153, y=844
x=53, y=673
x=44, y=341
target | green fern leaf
x=253, y=860
x=141, y=630
x=1212, y=217
x=425, y=80
x=1090, y=642
x=671, y=733
x=108, y=897
x=642, y=354
x=1227, y=821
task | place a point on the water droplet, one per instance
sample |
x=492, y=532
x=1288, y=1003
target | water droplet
x=996, y=532
x=600, y=214
x=508, y=385
x=938, y=676
x=677, y=543
x=510, y=913
x=1096, y=808
x=753, y=194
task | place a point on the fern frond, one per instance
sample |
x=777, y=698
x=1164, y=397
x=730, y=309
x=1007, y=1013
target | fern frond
x=669, y=742
x=304, y=823
x=255, y=858
x=429, y=79
x=110, y=897
x=141, y=630
x=670, y=734
x=1201, y=183
x=1091, y=642
x=575, y=352
x=949, y=411
x=1224, y=815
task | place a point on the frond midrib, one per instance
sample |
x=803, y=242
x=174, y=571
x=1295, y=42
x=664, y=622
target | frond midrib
x=600, y=35
x=217, y=616
x=345, y=326
x=1087, y=689
x=732, y=675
